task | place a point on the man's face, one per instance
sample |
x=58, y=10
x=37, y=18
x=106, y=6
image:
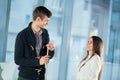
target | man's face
x=43, y=22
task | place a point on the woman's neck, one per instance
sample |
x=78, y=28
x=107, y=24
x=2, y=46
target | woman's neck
x=90, y=53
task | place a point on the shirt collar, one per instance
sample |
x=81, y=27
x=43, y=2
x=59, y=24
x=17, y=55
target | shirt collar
x=39, y=32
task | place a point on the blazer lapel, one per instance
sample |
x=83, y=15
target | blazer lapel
x=31, y=39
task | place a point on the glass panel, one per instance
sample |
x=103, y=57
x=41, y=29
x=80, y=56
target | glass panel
x=79, y=35
x=113, y=58
x=55, y=31
x=90, y=17
x=4, y=20
x=20, y=16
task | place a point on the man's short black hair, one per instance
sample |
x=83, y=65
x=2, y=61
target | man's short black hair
x=41, y=12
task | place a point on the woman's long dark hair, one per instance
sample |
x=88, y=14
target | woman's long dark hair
x=97, y=49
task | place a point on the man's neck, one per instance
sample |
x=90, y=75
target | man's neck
x=35, y=27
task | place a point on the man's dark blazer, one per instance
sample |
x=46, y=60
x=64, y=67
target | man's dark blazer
x=25, y=53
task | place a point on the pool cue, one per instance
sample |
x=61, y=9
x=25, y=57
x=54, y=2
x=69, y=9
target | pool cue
x=46, y=66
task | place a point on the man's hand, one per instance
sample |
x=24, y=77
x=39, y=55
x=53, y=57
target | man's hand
x=44, y=60
x=50, y=46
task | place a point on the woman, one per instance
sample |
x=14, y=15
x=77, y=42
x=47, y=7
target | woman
x=91, y=66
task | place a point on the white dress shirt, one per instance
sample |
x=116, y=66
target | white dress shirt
x=89, y=68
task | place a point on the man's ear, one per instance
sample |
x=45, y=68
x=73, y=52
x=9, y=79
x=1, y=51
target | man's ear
x=38, y=19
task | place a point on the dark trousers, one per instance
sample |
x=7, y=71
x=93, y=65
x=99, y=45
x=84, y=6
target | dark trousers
x=21, y=78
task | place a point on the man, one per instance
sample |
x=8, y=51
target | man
x=31, y=47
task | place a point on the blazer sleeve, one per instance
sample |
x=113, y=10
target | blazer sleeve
x=19, y=57
x=51, y=53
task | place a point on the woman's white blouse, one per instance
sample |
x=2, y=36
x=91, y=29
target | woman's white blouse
x=90, y=70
